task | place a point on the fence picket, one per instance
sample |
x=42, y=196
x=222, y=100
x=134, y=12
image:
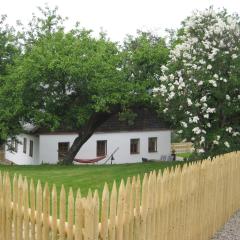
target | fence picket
x=70, y=215
x=39, y=211
x=54, y=212
x=78, y=217
x=96, y=215
x=126, y=210
x=131, y=210
x=8, y=192
x=3, y=203
x=137, y=213
x=113, y=211
x=104, y=215
x=62, y=215
x=25, y=209
x=32, y=209
x=20, y=208
x=120, y=205
x=46, y=212
x=15, y=206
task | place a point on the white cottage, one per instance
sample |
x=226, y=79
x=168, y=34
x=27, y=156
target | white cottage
x=120, y=142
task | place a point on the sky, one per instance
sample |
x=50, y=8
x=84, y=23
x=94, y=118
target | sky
x=117, y=17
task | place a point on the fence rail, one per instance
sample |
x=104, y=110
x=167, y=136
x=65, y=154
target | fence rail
x=191, y=202
x=182, y=147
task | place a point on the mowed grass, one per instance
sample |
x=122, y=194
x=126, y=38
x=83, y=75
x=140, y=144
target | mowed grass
x=85, y=176
x=184, y=155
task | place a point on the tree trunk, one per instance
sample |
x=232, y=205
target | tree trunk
x=77, y=144
x=85, y=133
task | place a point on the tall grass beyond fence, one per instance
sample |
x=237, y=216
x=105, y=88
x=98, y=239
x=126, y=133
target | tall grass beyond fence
x=183, y=204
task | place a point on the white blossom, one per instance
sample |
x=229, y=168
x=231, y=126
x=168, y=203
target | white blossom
x=164, y=68
x=227, y=144
x=211, y=110
x=209, y=125
x=171, y=95
x=236, y=134
x=234, y=56
x=163, y=78
x=200, y=83
x=202, y=140
x=213, y=82
x=184, y=124
x=209, y=66
x=215, y=142
x=195, y=119
x=165, y=110
x=228, y=97
x=196, y=130
x=189, y=102
x=155, y=90
x=229, y=129
x=203, y=99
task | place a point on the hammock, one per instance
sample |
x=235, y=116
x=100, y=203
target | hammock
x=94, y=160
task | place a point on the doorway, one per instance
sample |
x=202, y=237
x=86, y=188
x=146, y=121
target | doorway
x=63, y=148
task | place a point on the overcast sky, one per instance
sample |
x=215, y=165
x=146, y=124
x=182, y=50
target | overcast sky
x=117, y=17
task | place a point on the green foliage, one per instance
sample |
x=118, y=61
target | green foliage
x=143, y=56
x=9, y=50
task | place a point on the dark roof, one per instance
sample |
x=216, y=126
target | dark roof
x=144, y=120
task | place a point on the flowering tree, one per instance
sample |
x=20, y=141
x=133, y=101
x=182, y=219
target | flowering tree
x=200, y=85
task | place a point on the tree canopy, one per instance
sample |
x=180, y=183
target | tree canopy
x=199, y=87
x=9, y=50
x=73, y=80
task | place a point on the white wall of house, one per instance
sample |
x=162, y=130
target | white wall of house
x=20, y=157
x=49, y=146
x=45, y=147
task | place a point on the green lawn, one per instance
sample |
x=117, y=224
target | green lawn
x=184, y=155
x=86, y=176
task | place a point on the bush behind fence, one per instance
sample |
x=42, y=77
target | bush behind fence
x=185, y=203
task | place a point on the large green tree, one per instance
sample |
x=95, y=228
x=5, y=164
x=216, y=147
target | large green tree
x=199, y=89
x=142, y=56
x=72, y=80
x=9, y=50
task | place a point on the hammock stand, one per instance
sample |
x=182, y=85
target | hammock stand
x=94, y=160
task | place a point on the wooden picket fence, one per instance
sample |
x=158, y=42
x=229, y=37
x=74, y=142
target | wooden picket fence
x=187, y=203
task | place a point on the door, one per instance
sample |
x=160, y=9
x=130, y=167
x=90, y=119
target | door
x=63, y=148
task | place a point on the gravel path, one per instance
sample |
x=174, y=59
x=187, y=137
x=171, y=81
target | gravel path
x=231, y=230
